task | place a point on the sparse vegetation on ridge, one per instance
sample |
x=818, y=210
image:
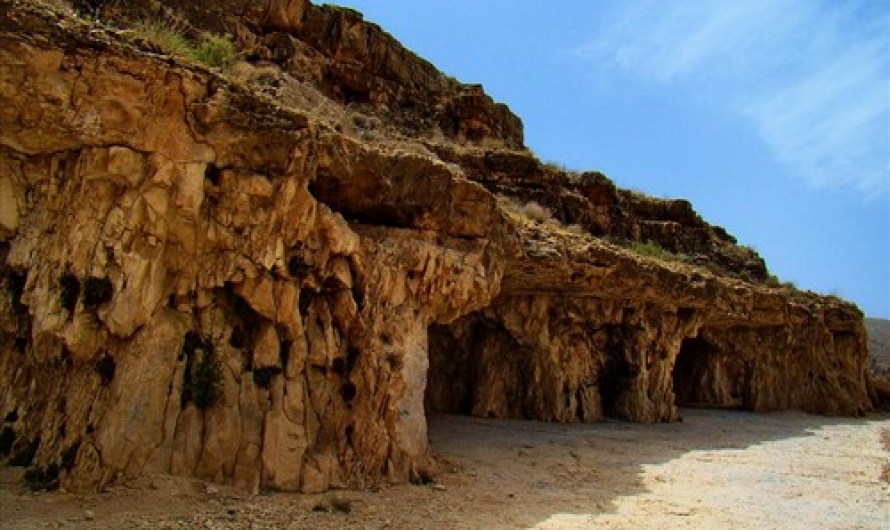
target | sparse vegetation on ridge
x=166, y=35
x=653, y=249
x=531, y=210
x=216, y=51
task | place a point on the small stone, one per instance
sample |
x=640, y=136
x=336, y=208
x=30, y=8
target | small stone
x=89, y=515
x=212, y=490
x=439, y=487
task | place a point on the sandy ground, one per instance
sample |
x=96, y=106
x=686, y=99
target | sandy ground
x=716, y=469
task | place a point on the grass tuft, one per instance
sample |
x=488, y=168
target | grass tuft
x=217, y=51
x=168, y=35
x=652, y=249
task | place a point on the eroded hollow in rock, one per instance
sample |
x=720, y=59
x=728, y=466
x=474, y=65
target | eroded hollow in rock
x=705, y=377
x=477, y=368
x=451, y=376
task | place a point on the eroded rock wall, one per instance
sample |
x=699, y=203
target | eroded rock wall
x=559, y=358
x=581, y=358
x=194, y=222
x=199, y=280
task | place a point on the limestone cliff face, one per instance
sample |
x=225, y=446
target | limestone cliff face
x=201, y=279
x=582, y=331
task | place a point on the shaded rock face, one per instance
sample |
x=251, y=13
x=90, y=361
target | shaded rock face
x=563, y=358
x=558, y=358
x=196, y=280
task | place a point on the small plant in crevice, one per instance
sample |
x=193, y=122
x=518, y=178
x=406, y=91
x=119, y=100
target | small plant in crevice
x=202, y=381
x=69, y=291
x=96, y=291
x=105, y=367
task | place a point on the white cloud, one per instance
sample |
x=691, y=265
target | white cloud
x=813, y=77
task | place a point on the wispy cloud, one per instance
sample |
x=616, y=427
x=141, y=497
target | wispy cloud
x=812, y=76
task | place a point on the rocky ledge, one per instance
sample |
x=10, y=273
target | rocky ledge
x=269, y=277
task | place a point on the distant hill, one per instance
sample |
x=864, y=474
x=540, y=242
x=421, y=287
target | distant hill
x=879, y=345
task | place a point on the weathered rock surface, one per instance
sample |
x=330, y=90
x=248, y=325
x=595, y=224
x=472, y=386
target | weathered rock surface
x=199, y=279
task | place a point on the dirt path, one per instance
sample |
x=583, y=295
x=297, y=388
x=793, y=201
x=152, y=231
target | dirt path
x=716, y=469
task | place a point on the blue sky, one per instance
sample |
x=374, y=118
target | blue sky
x=771, y=116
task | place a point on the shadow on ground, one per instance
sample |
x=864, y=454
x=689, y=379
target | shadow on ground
x=715, y=469
x=530, y=473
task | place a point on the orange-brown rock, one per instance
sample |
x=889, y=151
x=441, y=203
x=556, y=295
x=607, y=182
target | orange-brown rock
x=202, y=279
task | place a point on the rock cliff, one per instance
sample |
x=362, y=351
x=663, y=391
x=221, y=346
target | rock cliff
x=268, y=277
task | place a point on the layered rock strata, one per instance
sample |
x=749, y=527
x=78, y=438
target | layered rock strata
x=202, y=280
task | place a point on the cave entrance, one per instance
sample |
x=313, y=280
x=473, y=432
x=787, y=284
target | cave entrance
x=451, y=378
x=706, y=377
x=477, y=368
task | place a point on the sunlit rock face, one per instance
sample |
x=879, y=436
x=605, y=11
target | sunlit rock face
x=202, y=278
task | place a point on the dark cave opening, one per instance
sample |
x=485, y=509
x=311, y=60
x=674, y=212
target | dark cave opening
x=451, y=376
x=706, y=377
x=477, y=368
x=689, y=369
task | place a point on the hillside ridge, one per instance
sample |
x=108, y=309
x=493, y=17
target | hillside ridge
x=267, y=274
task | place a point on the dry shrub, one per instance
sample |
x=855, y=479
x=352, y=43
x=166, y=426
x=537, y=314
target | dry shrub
x=534, y=211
